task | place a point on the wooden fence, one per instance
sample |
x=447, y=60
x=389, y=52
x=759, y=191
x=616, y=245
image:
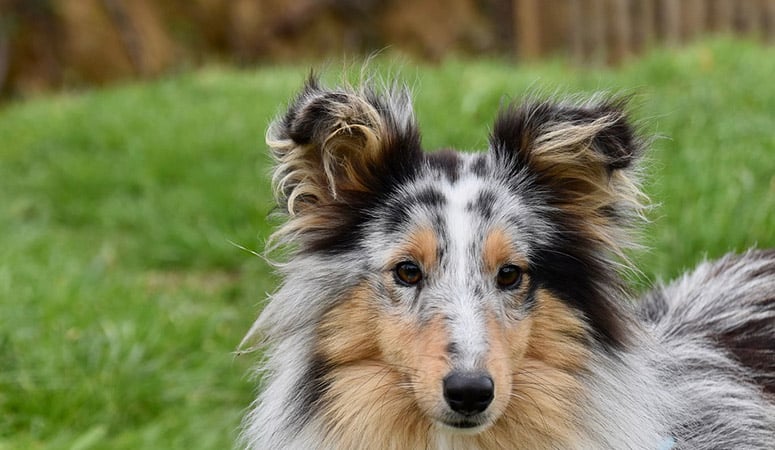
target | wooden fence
x=608, y=31
x=47, y=44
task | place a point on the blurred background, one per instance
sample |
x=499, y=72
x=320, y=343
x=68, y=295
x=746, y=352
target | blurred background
x=48, y=44
x=134, y=178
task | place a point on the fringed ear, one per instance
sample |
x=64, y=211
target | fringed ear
x=337, y=149
x=584, y=155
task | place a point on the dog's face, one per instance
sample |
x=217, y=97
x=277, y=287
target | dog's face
x=464, y=291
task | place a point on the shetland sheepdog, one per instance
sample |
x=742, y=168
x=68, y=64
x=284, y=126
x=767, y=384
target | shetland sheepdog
x=451, y=300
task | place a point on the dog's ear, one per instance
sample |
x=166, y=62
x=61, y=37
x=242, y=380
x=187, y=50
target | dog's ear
x=583, y=155
x=336, y=148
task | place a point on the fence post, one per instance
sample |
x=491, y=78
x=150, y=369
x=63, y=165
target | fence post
x=577, y=33
x=722, y=14
x=644, y=23
x=671, y=21
x=528, y=28
x=598, y=47
x=768, y=29
x=749, y=18
x=694, y=15
x=4, y=56
x=127, y=32
x=620, y=31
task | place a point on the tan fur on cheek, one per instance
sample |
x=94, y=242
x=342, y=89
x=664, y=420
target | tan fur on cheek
x=347, y=332
x=508, y=342
x=367, y=406
x=557, y=335
x=545, y=389
x=382, y=366
x=421, y=351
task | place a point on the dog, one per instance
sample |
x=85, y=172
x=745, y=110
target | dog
x=451, y=300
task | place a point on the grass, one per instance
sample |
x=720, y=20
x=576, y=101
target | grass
x=122, y=296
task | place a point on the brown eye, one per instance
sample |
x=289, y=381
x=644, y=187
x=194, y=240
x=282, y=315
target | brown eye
x=509, y=277
x=408, y=273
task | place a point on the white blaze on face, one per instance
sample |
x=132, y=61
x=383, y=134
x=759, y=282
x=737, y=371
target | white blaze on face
x=467, y=327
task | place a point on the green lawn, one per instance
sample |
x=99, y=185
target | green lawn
x=122, y=296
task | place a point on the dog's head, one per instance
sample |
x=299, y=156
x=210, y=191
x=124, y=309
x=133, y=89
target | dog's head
x=450, y=289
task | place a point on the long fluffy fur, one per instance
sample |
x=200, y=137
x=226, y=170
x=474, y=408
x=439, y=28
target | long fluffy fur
x=354, y=357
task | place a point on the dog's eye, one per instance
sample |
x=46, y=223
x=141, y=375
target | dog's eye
x=408, y=273
x=509, y=277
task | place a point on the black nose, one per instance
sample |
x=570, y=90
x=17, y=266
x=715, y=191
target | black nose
x=468, y=394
